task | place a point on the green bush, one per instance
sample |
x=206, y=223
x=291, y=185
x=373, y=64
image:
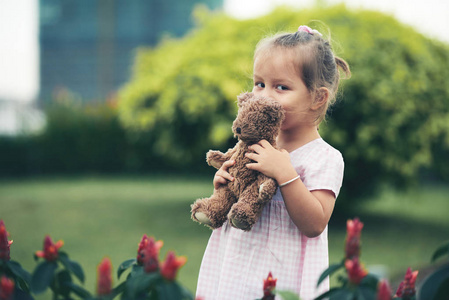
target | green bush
x=81, y=138
x=77, y=138
x=391, y=122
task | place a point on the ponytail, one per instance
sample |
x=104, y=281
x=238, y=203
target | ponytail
x=343, y=65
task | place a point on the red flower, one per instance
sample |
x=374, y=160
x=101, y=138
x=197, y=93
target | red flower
x=6, y=288
x=50, y=252
x=148, y=253
x=352, y=244
x=4, y=243
x=170, y=266
x=406, y=289
x=383, y=291
x=142, y=245
x=104, y=277
x=356, y=271
x=269, y=285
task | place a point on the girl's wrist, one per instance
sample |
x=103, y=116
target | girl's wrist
x=289, y=181
x=286, y=176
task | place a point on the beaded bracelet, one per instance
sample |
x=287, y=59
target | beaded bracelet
x=290, y=181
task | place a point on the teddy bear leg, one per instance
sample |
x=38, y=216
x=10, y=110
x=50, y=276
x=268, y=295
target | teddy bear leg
x=245, y=212
x=213, y=211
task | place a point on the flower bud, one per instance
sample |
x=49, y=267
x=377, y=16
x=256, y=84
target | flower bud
x=406, y=289
x=352, y=244
x=4, y=243
x=50, y=252
x=104, y=277
x=6, y=288
x=269, y=285
x=383, y=291
x=171, y=265
x=356, y=271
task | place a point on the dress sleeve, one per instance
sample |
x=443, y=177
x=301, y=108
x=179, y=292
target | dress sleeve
x=324, y=170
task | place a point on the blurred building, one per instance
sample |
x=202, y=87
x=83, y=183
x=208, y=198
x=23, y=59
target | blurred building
x=87, y=46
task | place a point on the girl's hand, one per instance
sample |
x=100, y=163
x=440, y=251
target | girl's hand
x=222, y=176
x=271, y=162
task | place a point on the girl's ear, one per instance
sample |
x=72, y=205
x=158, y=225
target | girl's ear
x=321, y=97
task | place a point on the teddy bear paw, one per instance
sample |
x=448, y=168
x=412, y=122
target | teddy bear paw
x=202, y=218
x=240, y=224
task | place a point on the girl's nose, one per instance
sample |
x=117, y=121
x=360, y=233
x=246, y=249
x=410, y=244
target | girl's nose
x=267, y=93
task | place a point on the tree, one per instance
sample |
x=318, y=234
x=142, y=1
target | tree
x=391, y=120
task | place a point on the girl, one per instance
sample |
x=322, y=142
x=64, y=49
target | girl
x=290, y=239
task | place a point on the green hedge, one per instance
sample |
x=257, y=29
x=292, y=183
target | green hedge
x=78, y=139
x=391, y=124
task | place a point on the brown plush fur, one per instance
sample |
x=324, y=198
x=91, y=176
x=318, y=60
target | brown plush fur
x=242, y=200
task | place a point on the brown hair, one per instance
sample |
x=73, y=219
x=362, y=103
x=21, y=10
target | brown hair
x=316, y=63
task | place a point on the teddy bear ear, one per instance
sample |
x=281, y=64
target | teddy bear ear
x=243, y=97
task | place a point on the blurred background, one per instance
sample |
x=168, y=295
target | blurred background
x=108, y=107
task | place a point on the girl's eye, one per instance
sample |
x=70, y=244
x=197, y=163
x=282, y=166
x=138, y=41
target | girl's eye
x=281, y=87
x=260, y=85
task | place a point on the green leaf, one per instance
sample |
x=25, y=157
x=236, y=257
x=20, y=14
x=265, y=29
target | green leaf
x=72, y=266
x=78, y=290
x=64, y=279
x=137, y=271
x=140, y=283
x=118, y=289
x=330, y=294
x=343, y=294
x=168, y=290
x=287, y=295
x=434, y=282
x=22, y=284
x=43, y=276
x=443, y=290
x=19, y=272
x=125, y=266
x=21, y=295
x=370, y=281
x=442, y=250
x=332, y=269
x=365, y=293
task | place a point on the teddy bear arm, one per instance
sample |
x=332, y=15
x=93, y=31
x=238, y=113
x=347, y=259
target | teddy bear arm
x=217, y=158
x=267, y=187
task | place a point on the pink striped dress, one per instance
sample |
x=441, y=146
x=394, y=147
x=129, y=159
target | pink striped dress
x=236, y=262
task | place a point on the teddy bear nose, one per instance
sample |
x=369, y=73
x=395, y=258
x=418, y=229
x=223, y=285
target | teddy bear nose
x=238, y=130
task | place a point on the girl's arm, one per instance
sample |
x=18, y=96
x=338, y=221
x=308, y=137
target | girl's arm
x=309, y=211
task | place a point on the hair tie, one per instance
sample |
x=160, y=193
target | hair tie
x=309, y=30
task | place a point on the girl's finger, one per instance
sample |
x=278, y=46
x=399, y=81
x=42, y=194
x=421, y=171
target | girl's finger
x=219, y=178
x=227, y=164
x=252, y=156
x=264, y=143
x=219, y=181
x=252, y=166
x=256, y=148
x=225, y=175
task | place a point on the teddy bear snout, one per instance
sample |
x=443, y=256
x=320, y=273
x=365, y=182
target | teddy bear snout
x=238, y=130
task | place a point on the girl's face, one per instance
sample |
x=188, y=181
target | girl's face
x=275, y=76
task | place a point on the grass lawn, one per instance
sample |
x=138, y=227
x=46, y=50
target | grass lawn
x=107, y=216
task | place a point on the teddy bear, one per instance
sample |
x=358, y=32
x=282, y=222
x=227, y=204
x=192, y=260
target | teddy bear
x=242, y=200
